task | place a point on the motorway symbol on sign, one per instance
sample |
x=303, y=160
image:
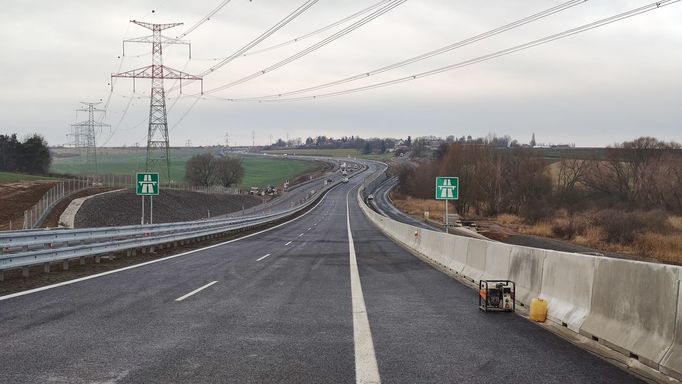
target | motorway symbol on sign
x=147, y=184
x=447, y=188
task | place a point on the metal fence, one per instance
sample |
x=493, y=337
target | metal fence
x=37, y=213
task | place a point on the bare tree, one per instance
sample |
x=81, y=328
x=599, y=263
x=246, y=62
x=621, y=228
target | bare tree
x=200, y=169
x=228, y=171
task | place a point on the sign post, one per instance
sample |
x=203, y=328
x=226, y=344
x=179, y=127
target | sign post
x=148, y=185
x=447, y=188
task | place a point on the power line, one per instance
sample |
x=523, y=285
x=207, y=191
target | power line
x=186, y=113
x=521, y=47
x=314, y=47
x=439, y=51
x=120, y=120
x=318, y=31
x=203, y=20
x=298, y=11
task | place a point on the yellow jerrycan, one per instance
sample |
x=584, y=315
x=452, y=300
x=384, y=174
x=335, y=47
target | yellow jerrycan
x=538, y=310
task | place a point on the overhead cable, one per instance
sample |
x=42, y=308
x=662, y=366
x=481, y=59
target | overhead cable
x=314, y=47
x=297, y=12
x=203, y=20
x=534, y=43
x=439, y=51
x=318, y=31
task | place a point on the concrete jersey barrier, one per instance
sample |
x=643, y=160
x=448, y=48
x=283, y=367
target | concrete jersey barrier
x=632, y=307
x=567, y=286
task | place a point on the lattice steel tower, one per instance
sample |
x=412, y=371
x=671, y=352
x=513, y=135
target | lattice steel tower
x=158, y=150
x=85, y=137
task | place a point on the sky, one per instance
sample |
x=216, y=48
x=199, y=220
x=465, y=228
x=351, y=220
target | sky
x=607, y=85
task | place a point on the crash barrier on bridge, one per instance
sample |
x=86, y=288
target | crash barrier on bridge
x=632, y=307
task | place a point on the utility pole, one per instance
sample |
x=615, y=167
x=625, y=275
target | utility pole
x=270, y=141
x=253, y=139
x=227, y=139
x=85, y=138
x=158, y=149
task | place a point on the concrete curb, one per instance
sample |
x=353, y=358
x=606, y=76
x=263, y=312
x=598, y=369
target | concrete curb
x=67, y=218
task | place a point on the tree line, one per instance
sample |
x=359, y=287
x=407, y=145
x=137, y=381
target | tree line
x=207, y=169
x=642, y=174
x=29, y=156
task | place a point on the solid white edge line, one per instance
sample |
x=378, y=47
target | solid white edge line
x=39, y=289
x=181, y=298
x=366, y=368
x=263, y=257
x=288, y=243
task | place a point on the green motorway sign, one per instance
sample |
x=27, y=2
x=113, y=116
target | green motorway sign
x=447, y=188
x=147, y=184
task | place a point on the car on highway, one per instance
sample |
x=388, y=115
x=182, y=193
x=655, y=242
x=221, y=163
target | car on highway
x=329, y=180
x=344, y=180
x=370, y=197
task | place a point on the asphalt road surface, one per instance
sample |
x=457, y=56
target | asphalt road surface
x=300, y=303
x=382, y=205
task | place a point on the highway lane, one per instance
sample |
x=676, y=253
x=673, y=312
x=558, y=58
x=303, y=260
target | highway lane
x=382, y=203
x=427, y=327
x=286, y=318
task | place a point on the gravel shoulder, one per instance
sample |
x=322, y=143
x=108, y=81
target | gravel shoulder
x=123, y=207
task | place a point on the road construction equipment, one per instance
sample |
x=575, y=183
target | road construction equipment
x=496, y=295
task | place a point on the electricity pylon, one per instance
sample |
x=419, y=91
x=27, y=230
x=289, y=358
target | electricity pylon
x=158, y=149
x=85, y=137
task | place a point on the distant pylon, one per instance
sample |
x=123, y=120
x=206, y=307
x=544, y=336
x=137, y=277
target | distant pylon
x=158, y=148
x=253, y=139
x=85, y=138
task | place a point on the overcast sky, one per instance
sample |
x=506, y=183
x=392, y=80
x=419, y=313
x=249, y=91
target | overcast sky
x=607, y=85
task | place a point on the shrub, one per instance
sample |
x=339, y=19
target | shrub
x=569, y=228
x=622, y=227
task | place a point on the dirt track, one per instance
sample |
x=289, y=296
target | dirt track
x=15, y=198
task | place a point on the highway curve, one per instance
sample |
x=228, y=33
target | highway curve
x=288, y=306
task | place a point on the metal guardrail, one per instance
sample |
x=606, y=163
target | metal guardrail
x=48, y=238
x=43, y=246
x=34, y=247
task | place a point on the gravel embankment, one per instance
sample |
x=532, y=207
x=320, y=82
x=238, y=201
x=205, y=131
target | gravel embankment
x=52, y=220
x=123, y=208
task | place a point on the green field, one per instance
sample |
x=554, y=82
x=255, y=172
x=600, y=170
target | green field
x=11, y=177
x=262, y=171
x=258, y=171
x=352, y=153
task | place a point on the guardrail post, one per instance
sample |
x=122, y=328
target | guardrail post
x=98, y=259
x=81, y=261
x=46, y=267
x=65, y=265
x=2, y=275
x=24, y=272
